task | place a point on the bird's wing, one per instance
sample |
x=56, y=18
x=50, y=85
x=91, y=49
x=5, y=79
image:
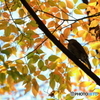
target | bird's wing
x=79, y=47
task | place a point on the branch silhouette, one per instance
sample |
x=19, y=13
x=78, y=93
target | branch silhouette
x=59, y=45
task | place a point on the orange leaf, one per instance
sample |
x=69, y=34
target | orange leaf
x=64, y=15
x=51, y=24
x=48, y=44
x=34, y=91
x=97, y=71
x=85, y=84
x=66, y=32
x=54, y=9
x=69, y=4
x=28, y=87
x=5, y=14
x=35, y=36
x=61, y=38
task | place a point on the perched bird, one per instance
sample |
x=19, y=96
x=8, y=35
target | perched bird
x=76, y=49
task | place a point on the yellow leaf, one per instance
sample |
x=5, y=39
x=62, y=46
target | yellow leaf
x=82, y=6
x=34, y=91
x=97, y=90
x=94, y=23
x=69, y=87
x=10, y=80
x=95, y=61
x=93, y=53
x=63, y=57
x=91, y=87
x=52, y=3
x=7, y=38
x=77, y=73
x=92, y=3
x=95, y=45
x=75, y=1
x=78, y=11
x=86, y=49
x=3, y=24
x=21, y=12
x=97, y=71
x=19, y=61
x=35, y=87
x=13, y=28
x=62, y=4
x=19, y=67
x=28, y=87
x=69, y=4
x=85, y=84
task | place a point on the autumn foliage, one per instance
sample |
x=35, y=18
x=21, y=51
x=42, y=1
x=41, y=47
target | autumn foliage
x=27, y=55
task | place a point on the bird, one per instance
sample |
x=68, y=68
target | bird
x=77, y=50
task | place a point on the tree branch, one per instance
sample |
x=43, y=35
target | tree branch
x=59, y=45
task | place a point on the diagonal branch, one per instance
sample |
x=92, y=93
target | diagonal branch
x=59, y=45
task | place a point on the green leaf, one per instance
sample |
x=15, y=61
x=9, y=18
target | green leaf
x=53, y=66
x=62, y=4
x=2, y=77
x=53, y=57
x=6, y=45
x=7, y=31
x=52, y=83
x=57, y=78
x=68, y=97
x=39, y=51
x=25, y=70
x=44, y=68
x=50, y=99
x=19, y=61
x=19, y=21
x=1, y=58
x=75, y=1
x=7, y=51
x=13, y=75
x=35, y=58
x=33, y=23
x=31, y=68
x=30, y=55
x=42, y=77
x=40, y=64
